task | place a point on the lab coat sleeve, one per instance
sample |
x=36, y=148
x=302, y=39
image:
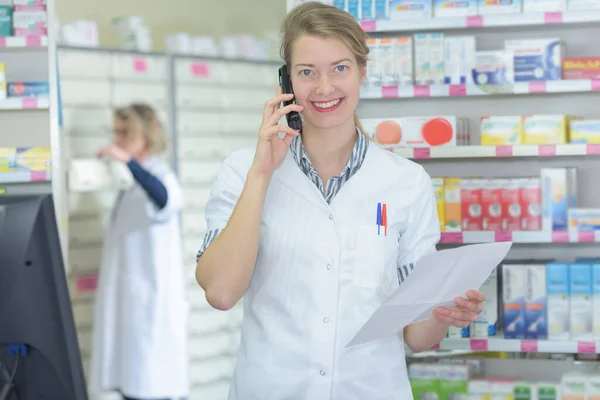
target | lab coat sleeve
x=224, y=195
x=423, y=228
x=174, y=197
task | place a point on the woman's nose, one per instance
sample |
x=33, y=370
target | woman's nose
x=325, y=87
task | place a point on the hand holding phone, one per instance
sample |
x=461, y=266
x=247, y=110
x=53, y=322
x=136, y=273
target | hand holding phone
x=293, y=118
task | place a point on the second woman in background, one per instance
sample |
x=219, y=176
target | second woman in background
x=139, y=345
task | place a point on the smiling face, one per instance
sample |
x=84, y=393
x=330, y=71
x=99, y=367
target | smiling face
x=326, y=80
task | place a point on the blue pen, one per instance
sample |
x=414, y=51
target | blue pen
x=378, y=218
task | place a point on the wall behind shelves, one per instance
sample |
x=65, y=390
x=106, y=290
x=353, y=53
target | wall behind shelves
x=191, y=16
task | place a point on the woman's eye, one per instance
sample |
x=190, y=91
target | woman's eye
x=305, y=72
x=341, y=68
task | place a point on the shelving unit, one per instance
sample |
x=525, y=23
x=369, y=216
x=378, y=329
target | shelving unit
x=209, y=110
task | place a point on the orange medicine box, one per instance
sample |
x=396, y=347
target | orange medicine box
x=581, y=68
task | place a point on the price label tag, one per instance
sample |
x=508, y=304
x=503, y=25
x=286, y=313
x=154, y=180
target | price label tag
x=29, y=103
x=422, y=152
x=586, y=237
x=458, y=90
x=368, y=26
x=504, y=151
x=3, y=41
x=547, y=150
x=553, y=17
x=503, y=236
x=451, y=237
x=595, y=84
x=88, y=283
x=474, y=21
x=389, y=92
x=37, y=176
x=421, y=91
x=33, y=41
x=537, y=87
x=479, y=344
x=592, y=149
x=586, y=347
x=560, y=236
x=529, y=346
x=140, y=65
x=200, y=69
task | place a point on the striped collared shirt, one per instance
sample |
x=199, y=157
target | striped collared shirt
x=334, y=184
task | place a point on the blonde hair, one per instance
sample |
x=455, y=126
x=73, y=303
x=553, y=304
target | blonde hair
x=326, y=21
x=142, y=120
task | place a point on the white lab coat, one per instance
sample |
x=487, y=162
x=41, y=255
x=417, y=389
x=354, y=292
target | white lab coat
x=321, y=271
x=140, y=320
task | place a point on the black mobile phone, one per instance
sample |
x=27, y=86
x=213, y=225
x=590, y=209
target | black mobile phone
x=293, y=118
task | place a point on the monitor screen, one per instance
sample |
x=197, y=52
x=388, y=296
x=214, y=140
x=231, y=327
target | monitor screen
x=36, y=317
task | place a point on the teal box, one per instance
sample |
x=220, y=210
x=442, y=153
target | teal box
x=6, y=21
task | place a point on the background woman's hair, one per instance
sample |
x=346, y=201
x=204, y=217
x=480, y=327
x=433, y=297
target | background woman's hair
x=322, y=20
x=141, y=119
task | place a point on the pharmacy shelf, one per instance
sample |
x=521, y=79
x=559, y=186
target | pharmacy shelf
x=23, y=41
x=482, y=21
x=25, y=177
x=516, y=345
x=519, y=88
x=449, y=152
x=520, y=237
x=41, y=103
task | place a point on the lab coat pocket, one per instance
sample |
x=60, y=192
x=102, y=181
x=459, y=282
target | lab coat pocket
x=374, y=256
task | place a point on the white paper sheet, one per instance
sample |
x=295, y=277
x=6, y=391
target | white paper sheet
x=435, y=281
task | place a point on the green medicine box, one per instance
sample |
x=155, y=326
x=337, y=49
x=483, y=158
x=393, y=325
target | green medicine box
x=6, y=21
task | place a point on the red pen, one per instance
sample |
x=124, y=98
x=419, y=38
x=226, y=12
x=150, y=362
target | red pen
x=384, y=220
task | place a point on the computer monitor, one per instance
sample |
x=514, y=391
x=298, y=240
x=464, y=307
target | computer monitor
x=35, y=306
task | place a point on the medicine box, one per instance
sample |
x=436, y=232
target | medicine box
x=530, y=198
x=367, y=11
x=438, y=189
x=548, y=391
x=403, y=60
x=544, y=5
x=511, y=205
x=26, y=23
x=450, y=8
x=353, y=7
x=596, y=299
x=382, y=9
x=581, y=289
x=410, y=9
x=557, y=287
x=546, y=129
x=6, y=26
x=471, y=210
x=513, y=297
x=453, y=381
x=584, y=220
x=28, y=89
x=585, y=131
x=582, y=5
x=452, y=204
x=536, y=323
x=487, y=321
x=486, y=7
x=559, y=193
x=491, y=204
x=493, y=68
x=459, y=58
x=536, y=59
x=581, y=68
x=524, y=391
x=416, y=131
x=501, y=130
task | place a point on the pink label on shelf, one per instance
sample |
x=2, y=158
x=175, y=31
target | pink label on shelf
x=474, y=21
x=451, y=237
x=422, y=152
x=140, y=65
x=504, y=151
x=553, y=17
x=503, y=236
x=421, y=91
x=547, y=150
x=389, y=92
x=586, y=237
x=586, y=347
x=37, y=176
x=458, y=90
x=592, y=149
x=479, y=344
x=200, y=69
x=88, y=283
x=529, y=346
x=33, y=41
x=595, y=84
x=29, y=103
x=3, y=41
x=537, y=87
x=368, y=26
x=560, y=236
x=436, y=347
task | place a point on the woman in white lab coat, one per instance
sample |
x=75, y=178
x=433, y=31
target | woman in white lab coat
x=317, y=229
x=139, y=341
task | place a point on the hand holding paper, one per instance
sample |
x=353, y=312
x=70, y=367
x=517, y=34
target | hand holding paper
x=436, y=280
